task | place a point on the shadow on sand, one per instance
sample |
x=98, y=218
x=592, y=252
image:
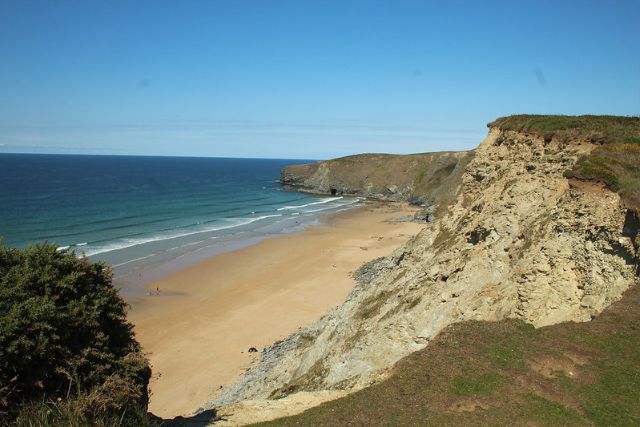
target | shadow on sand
x=199, y=420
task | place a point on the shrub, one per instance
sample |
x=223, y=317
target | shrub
x=64, y=335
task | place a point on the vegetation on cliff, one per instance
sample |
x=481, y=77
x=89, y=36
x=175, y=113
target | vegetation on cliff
x=614, y=163
x=68, y=356
x=596, y=129
x=507, y=373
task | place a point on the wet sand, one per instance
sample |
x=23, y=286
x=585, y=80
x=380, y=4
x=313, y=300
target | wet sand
x=198, y=330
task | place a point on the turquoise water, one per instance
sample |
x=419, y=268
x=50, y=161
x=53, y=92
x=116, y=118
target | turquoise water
x=135, y=212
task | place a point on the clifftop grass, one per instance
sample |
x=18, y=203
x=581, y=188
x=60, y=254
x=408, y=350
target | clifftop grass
x=596, y=129
x=616, y=162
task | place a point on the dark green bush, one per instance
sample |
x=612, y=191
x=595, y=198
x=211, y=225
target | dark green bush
x=64, y=336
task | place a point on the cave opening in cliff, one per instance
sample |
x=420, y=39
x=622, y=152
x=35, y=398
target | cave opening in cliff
x=334, y=191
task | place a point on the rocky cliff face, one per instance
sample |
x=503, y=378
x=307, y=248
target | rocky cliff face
x=419, y=177
x=519, y=241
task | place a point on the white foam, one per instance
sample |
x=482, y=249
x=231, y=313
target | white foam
x=62, y=248
x=336, y=206
x=321, y=202
x=133, y=260
x=127, y=243
x=189, y=244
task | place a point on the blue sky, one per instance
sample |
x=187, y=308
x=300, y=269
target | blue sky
x=303, y=79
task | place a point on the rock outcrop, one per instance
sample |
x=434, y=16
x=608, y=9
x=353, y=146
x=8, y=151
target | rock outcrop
x=420, y=178
x=519, y=241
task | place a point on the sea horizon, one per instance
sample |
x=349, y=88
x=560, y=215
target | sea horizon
x=26, y=153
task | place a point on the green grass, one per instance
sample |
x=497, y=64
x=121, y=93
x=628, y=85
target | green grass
x=507, y=373
x=596, y=129
x=371, y=306
x=75, y=413
x=538, y=410
x=474, y=385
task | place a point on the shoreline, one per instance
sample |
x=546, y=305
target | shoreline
x=199, y=328
x=133, y=276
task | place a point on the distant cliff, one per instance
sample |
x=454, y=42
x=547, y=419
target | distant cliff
x=419, y=178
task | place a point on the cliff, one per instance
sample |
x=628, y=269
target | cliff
x=521, y=240
x=420, y=178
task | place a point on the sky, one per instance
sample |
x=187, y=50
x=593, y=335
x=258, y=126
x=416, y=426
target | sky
x=304, y=79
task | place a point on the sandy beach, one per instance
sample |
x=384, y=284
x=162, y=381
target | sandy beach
x=198, y=330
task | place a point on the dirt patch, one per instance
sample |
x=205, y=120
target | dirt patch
x=550, y=391
x=551, y=366
x=468, y=406
x=587, y=186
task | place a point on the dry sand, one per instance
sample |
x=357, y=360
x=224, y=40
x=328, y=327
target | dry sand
x=197, y=332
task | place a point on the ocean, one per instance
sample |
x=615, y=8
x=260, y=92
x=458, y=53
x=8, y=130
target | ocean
x=149, y=216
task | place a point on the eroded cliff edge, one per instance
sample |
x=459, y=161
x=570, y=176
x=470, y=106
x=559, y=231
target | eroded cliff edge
x=519, y=240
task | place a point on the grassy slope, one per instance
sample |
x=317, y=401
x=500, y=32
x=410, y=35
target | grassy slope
x=616, y=162
x=508, y=373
